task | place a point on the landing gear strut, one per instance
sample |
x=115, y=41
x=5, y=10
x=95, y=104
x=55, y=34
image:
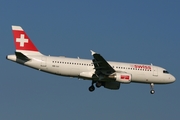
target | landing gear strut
x=98, y=84
x=92, y=88
x=152, y=88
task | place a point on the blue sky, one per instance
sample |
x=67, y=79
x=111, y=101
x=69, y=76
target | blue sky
x=129, y=31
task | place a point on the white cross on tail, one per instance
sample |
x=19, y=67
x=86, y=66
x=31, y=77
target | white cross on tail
x=22, y=40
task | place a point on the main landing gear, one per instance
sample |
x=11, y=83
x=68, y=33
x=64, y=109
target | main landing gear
x=152, y=88
x=92, y=88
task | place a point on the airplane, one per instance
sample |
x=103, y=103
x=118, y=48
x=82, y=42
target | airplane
x=104, y=73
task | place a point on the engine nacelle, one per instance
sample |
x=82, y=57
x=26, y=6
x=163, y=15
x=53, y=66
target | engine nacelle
x=121, y=77
x=113, y=85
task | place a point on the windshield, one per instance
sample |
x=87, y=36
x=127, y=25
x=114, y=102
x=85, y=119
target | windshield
x=165, y=71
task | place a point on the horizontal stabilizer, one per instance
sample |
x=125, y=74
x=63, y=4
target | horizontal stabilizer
x=21, y=56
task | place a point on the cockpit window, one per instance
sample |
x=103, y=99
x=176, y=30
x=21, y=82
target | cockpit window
x=165, y=71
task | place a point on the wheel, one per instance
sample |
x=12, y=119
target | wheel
x=98, y=84
x=91, y=88
x=152, y=91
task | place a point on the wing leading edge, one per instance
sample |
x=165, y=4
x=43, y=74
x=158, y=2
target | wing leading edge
x=101, y=66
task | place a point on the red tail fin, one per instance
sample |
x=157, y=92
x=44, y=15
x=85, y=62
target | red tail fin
x=22, y=41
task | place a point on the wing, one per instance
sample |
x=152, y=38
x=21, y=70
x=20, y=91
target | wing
x=101, y=66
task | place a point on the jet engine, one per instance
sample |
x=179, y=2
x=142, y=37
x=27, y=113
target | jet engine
x=113, y=85
x=121, y=77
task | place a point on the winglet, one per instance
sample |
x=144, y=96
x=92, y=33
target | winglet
x=92, y=52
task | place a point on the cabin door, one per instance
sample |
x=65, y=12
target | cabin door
x=155, y=71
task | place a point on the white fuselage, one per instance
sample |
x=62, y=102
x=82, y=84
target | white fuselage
x=101, y=72
x=84, y=68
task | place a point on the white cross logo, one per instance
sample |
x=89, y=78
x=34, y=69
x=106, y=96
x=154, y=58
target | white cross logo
x=22, y=40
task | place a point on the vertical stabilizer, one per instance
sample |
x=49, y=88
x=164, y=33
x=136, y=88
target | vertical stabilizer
x=22, y=42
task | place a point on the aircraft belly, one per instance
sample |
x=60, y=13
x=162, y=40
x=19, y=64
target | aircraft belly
x=62, y=70
x=139, y=78
x=146, y=78
x=69, y=70
x=74, y=71
x=33, y=63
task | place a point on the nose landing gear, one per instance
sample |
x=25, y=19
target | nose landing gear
x=152, y=88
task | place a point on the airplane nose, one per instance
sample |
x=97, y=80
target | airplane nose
x=172, y=78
